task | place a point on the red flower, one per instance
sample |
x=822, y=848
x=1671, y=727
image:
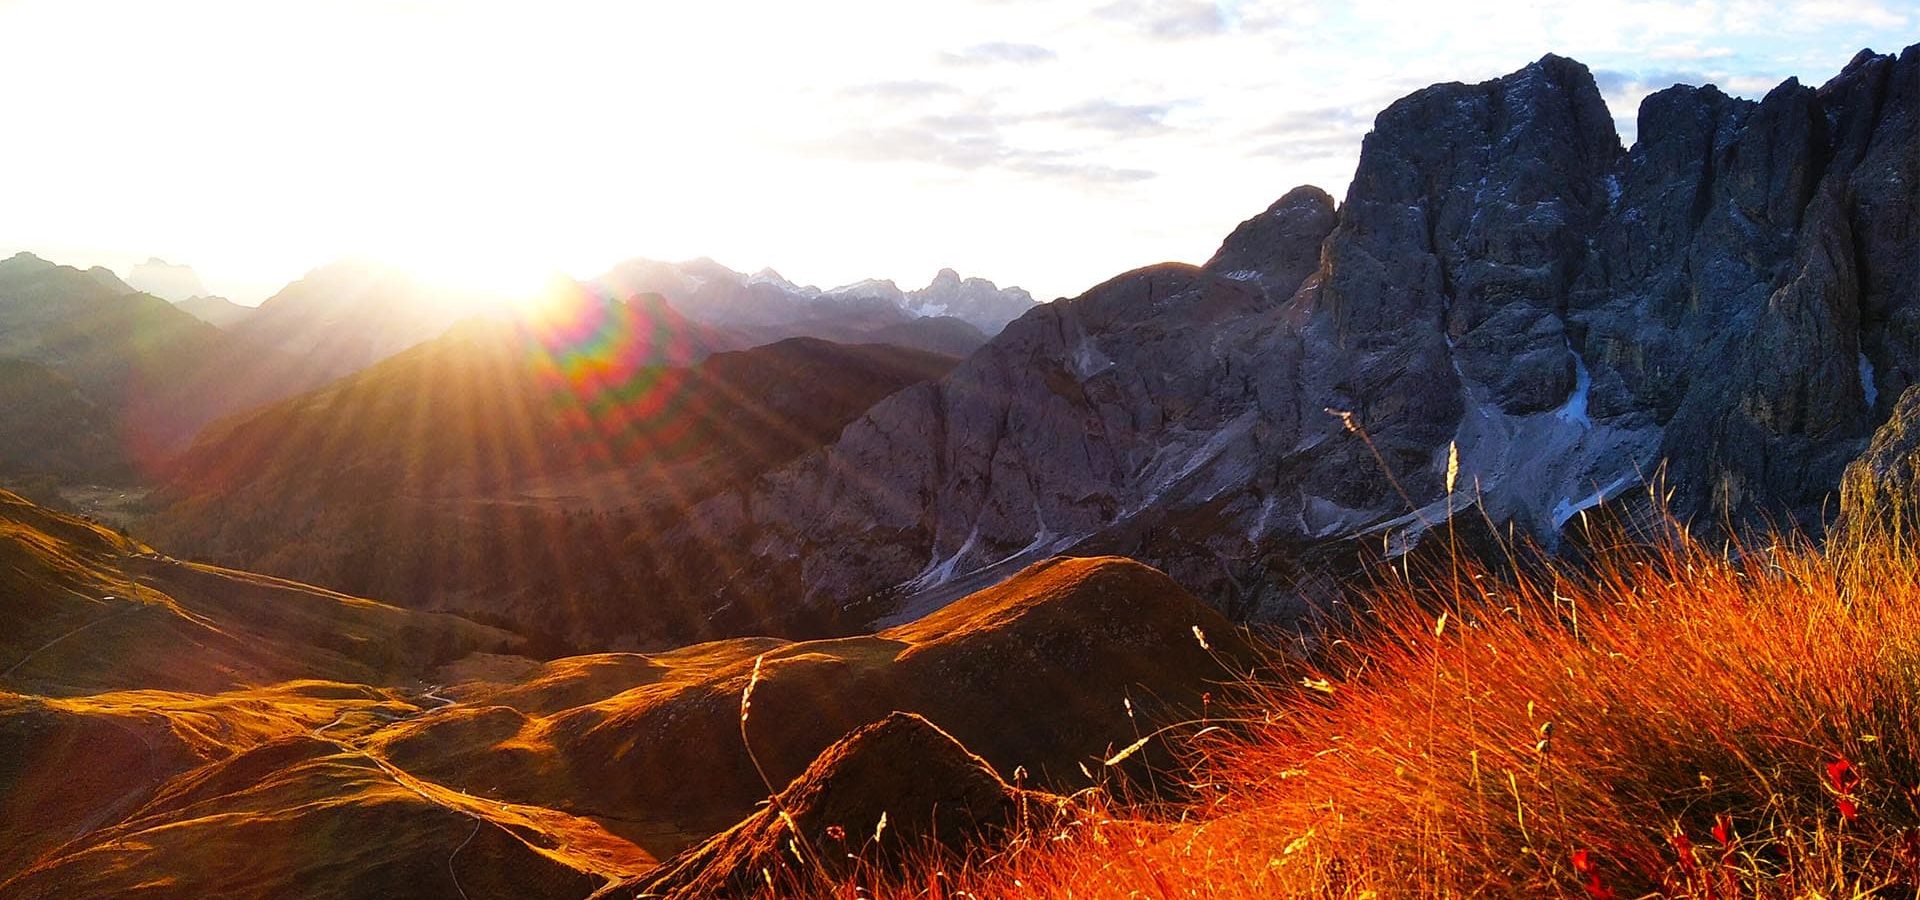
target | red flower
x=1842, y=776
x=1723, y=829
x=1583, y=864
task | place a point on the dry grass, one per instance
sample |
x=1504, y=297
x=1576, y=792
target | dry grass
x=1675, y=721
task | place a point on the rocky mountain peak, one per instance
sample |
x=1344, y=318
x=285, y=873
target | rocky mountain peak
x=1733, y=298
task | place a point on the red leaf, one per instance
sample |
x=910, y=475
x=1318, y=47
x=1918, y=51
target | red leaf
x=1583, y=862
x=1847, y=809
x=1723, y=829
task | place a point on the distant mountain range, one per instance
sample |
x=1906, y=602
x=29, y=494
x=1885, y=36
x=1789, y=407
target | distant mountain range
x=766, y=306
x=89, y=352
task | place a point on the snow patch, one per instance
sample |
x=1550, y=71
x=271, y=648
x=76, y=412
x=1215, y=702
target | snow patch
x=1866, y=381
x=1570, y=507
x=1575, y=409
x=941, y=571
x=1242, y=275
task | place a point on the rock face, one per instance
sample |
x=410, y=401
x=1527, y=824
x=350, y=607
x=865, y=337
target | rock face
x=1733, y=298
x=768, y=307
x=902, y=770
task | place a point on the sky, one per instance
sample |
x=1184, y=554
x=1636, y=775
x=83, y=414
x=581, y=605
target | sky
x=1040, y=143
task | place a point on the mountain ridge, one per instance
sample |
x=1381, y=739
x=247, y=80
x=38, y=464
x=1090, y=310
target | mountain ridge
x=1503, y=278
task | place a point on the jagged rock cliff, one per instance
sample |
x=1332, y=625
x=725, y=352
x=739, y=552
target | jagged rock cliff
x=1732, y=298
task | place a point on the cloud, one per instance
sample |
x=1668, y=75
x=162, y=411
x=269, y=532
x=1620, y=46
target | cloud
x=969, y=142
x=906, y=91
x=1169, y=19
x=999, y=52
x=1108, y=116
x=1616, y=83
x=1315, y=133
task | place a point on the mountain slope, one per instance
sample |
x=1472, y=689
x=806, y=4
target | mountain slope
x=1725, y=300
x=89, y=610
x=179, y=731
x=467, y=472
x=1034, y=674
x=161, y=727
x=53, y=428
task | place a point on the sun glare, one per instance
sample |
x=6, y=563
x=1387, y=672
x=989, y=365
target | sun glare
x=497, y=281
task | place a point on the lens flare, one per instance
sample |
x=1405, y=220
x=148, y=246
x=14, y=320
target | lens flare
x=614, y=368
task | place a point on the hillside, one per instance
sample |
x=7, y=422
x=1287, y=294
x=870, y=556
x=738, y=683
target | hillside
x=466, y=472
x=191, y=732
x=54, y=429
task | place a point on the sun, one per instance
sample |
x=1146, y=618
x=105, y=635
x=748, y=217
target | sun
x=486, y=281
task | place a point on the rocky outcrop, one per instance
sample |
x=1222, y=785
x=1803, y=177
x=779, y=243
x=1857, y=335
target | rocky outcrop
x=1732, y=298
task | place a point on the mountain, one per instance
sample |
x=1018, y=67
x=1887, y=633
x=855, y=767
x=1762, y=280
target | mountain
x=216, y=311
x=764, y=301
x=1727, y=300
x=149, y=373
x=138, y=367
x=166, y=280
x=179, y=730
x=347, y=315
x=467, y=471
x=55, y=429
